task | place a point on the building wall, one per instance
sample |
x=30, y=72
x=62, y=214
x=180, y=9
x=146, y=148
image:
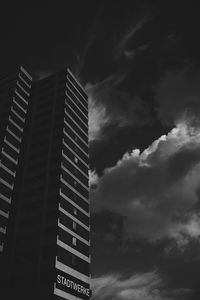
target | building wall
x=14, y=100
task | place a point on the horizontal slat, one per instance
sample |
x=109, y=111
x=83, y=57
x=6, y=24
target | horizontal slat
x=75, y=143
x=6, y=199
x=11, y=145
x=14, y=135
x=73, y=218
x=75, y=132
x=15, y=161
x=82, y=112
x=72, y=272
x=74, y=165
x=23, y=109
x=74, y=190
x=73, y=203
x=75, y=178
x=16, y=114
x=72, y=75
x=75, y=123
x=26, y=73
x=66, y=145
x=69, y=89
x=15, y=124
x=65, y=295
x=21, y=97
x=7, y=170
x=24, y=81
x=21, y=87
x=4, y=214
x=82, y=97
x=72, y=250
x=72, y=233
x=10, y=186
x=84, y=124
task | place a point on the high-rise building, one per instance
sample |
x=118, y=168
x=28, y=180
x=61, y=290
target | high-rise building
x=44, y=208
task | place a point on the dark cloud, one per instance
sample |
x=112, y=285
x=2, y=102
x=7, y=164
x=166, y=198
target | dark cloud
x=180, y=164
x=142, y=53
x=177, y=94
x=121, y=48
x=112, y=106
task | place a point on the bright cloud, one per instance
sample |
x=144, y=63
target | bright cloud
x=97, y=119
x=93, y=178
x=156, y=190
x=148, y=286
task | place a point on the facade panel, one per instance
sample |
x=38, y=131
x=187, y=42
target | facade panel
x=73, y=223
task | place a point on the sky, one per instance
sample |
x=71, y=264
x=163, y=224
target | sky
x=139, y=62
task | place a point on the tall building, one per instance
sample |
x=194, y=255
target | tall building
x=44, y=208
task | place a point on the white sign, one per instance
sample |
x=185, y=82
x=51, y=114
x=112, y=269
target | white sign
x=73, y=285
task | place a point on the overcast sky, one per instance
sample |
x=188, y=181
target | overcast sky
x=140, y=64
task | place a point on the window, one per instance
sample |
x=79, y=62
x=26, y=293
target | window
x=75, y=211
x=76, y=160
x=73, y=260
x=74, y=225
x=74, y=241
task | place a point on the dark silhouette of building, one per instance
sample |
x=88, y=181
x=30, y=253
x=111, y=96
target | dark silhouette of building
x=44, y=208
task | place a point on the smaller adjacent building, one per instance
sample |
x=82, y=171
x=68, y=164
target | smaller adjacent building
x=14, y=100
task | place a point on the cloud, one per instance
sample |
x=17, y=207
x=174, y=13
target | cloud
x=93, y=178
x=98, y=118
x=108, y=105
x=121, y=47
x=148, y=286
x=156, y=190
x=177, y=94
x=43, y=74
